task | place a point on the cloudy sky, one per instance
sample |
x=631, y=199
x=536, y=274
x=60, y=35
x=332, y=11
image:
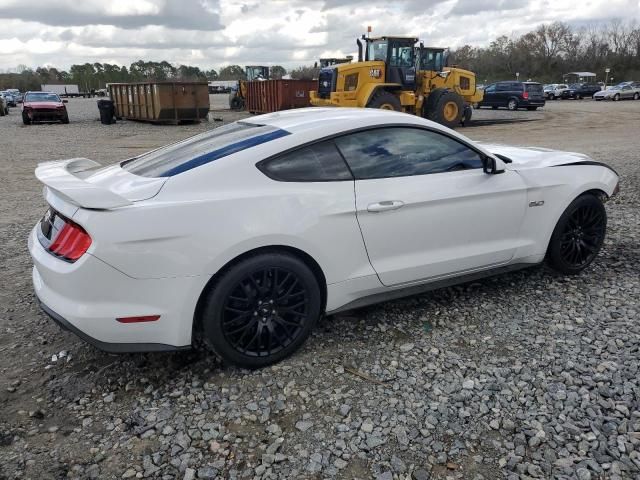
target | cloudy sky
x=212, y=33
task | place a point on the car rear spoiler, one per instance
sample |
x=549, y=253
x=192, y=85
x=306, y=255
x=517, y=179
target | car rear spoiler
x=65, y=178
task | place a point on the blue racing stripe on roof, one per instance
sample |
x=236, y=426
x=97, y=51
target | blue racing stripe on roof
x=225, y=151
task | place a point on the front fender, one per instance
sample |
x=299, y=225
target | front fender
x=550, y=191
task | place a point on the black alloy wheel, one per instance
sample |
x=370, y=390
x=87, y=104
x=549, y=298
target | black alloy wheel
x=261, y=310
x=579, y=235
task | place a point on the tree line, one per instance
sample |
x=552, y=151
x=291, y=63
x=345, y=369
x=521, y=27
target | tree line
x=551, y=50
x=94, y=76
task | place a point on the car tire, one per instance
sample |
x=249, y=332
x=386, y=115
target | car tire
x=512, y=104
x=445, y=107
x=636, y=96
x=552, y=96
x=466, y=115
x=261, y=310
x=236, y=103
x=26, y=120
x=65, y=120
x=385, y=101
x=532, y=109
x=578, y=96
x=494, y=107
x=616, y=97
x=578, y=235
x=2, y=111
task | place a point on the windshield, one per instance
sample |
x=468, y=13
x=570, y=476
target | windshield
x=378, y=50
x=401, y=56
x=201, y=149
x=256, y=73
x=533, y=87
x=432, y=60
x=42, y=97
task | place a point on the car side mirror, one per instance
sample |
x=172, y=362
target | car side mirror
x=65, y=101
x=492, y=166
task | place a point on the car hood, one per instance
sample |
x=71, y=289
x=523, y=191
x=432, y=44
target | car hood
x=604, y=93
x=44, y=104
x=534, y=157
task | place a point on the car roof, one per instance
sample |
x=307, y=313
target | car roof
x=337, y=119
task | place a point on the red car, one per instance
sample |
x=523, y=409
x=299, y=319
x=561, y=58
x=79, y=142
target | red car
x=43, y=106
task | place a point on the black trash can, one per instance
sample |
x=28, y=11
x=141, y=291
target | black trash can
x=107, y=112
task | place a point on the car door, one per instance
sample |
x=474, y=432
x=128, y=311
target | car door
x=489, y=95
x=502, y=94
x=426, y=208
x=626, y=92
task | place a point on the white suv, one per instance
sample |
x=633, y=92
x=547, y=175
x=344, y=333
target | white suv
x=556, y=92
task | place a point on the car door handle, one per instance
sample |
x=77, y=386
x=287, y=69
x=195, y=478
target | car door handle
x=384, y=206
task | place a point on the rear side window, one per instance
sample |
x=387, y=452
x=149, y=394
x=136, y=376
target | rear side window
x=201, y=149
x=320, y=162
x=533, y=87
x=401, y=152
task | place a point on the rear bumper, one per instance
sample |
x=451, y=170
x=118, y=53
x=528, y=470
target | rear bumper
x=531, y=103
x=86, y=297
x=110, y=347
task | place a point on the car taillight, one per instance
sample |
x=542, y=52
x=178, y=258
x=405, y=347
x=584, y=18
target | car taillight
x=525, y=95
x=71, y=242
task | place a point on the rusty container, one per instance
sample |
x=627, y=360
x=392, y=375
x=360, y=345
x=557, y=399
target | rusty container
x=161, y=102
x=275, y=95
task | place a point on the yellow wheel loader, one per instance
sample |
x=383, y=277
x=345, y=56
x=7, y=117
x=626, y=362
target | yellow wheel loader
x=239, y=92
x=392, y=73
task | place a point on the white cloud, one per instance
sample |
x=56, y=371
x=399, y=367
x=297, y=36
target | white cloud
x=212, y=33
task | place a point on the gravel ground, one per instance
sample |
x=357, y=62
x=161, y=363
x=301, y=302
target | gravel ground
x=526, y=375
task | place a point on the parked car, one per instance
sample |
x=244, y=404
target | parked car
x=4, y=109
x=513, y=95
x=10, y=99
x=554, y=94
x=230, y=236
x=625, y=91
x=550, y=87
x=43, y=106
x=581, y=90
x=16, y=93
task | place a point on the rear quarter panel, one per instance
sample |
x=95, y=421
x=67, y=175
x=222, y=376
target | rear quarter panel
x=203, y=218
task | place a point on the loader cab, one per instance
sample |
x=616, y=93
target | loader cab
x=432, y=59
x=398, y=53
x=257, y=72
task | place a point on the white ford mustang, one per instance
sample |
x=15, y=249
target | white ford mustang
x=244, y=235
